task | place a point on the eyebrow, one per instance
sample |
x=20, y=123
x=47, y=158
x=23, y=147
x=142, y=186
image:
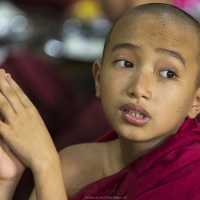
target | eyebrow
x=172, y=53
x=125, y=46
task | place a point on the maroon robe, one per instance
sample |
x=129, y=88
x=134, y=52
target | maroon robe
x=169, y=172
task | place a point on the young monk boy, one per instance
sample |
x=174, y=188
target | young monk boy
x=149, y=85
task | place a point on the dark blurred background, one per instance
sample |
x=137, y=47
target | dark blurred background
x=49, y=46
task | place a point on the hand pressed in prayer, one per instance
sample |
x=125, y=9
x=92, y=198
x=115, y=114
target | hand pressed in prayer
x=22, y=129
x=24, y=134
x=11, y=167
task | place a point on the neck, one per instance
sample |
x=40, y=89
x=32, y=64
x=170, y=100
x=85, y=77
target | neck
x=132, y=150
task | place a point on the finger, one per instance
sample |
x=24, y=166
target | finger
x=3, y=144
x=10, y=95
x=6, y=111
x=25, y=101
x=2, y=72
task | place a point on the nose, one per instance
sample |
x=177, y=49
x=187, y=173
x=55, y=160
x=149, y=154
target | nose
x=140, y=85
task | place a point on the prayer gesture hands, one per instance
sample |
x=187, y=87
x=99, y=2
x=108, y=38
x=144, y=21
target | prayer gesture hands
x=22, y=128
x=25, y=141
x=11, y=168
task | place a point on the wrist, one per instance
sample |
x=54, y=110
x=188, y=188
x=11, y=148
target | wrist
x=40, y=167
x=49, y=183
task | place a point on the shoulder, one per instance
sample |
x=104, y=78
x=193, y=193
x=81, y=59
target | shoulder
x=83, y=164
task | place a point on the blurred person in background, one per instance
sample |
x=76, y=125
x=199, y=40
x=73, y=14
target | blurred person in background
x=114, y=8
x=113, y=12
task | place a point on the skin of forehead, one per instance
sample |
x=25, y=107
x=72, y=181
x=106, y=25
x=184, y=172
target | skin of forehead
x=166, y=12
x=132, y=15
x=175, y=28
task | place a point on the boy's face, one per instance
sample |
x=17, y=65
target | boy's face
x=147, y=79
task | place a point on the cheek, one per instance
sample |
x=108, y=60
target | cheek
x=171, y=98
x=109, y=83
x=110, y=94
x=179, y=103
x=108, y=90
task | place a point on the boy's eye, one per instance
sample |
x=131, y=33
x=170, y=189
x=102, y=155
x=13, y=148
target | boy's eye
x=168, y=74
x=124, y=63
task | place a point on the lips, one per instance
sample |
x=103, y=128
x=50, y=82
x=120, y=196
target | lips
x=135, y=114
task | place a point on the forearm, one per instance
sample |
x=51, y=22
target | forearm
x=49, y=184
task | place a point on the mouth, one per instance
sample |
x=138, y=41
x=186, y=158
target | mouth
x=135, y=114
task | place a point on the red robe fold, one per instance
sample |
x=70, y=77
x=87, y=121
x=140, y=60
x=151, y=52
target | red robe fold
x=169, y=172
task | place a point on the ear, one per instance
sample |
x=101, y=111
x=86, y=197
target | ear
x=96, y=69
x=195, y=109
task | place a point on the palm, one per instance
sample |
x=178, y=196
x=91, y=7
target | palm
x=10, y=166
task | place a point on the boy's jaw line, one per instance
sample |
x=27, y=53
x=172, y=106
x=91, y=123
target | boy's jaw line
x=135, y=114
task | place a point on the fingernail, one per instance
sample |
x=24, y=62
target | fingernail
x=8, y=75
